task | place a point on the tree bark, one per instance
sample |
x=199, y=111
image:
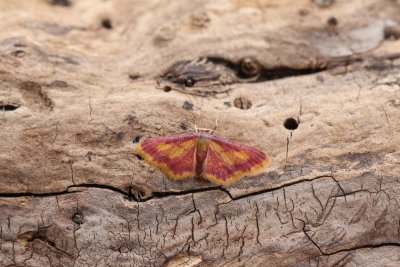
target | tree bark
x=316, y=86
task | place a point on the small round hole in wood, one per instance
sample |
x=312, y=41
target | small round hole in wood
x=106, y=23
x=291, y=124
x=136, y=139
x=78, y=218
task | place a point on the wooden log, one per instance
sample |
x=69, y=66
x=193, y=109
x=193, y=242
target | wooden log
x=314, y=86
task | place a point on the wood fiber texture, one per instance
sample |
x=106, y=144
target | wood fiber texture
x=314, y=84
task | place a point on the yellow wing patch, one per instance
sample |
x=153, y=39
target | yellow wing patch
x=177, y=151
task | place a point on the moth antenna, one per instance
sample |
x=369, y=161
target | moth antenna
x=216, y=126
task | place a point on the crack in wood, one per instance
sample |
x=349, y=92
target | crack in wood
x=160, y=195
x=257, y=224
x=324, y=253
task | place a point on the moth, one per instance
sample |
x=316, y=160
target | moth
x=201, y=154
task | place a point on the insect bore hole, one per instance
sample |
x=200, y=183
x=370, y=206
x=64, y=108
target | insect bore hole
x=8, y=107
x=189, y=82
x=78, y=218
x=167, y=88
x=106, y=24
x=136, y=139
x=291, y=124
x=332, y=21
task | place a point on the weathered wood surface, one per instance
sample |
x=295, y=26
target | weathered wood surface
x=81, y=83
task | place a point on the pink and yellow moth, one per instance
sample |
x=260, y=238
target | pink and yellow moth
x=203, y=155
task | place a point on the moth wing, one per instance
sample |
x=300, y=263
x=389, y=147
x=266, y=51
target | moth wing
x=228, y=161
x=174, y=155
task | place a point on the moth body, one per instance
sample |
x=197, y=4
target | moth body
x=201, y=154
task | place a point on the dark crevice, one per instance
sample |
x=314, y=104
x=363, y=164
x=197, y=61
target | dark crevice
x=284, y=72
x=64, y=192
x=29, y=194
x=213, y=71
x=384, y=244
x=99, y=186
x=61, y=2
x=309, y=238
x=138, y=156
x=184, y=192
x=8, y=107
x=274, y=188
x=129, y=195
x=212, y=75
x=136, y=139
x=249, y=68
x=157, y=194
